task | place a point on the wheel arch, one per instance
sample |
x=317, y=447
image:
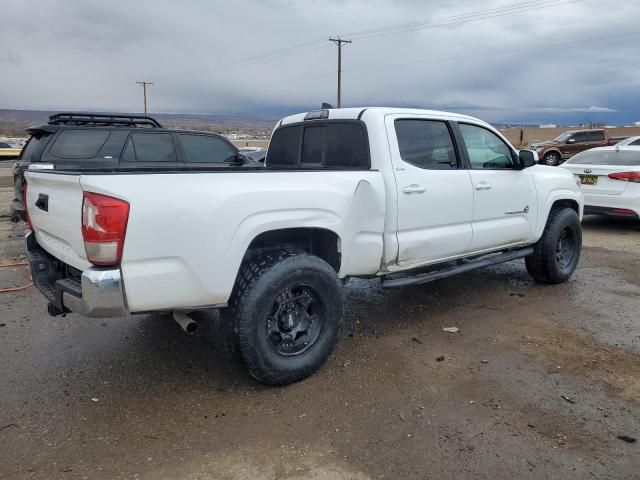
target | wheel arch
x=559, y=199
x=551, y=150
x=321, y=242
x=566, y=203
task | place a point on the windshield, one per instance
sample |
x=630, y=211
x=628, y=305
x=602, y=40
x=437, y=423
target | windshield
x=625, y=158
x=629, y=141
x=564, y=137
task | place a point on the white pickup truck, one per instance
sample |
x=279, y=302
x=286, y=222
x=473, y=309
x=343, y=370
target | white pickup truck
x=407, y=196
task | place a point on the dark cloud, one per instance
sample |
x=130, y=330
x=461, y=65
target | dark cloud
x=550, y=64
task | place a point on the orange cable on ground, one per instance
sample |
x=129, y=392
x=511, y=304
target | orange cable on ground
x=15, y=289
x=18, y=264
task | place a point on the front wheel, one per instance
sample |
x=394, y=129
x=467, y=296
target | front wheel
x=557, y=253
x=552, y=159
x=284, y=316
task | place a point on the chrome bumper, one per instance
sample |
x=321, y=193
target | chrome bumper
x=102, y=295
x=98, y=293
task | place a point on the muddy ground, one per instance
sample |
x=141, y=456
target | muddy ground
x=539, y=383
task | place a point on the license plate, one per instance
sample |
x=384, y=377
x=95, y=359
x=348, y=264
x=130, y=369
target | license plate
x=589, y=179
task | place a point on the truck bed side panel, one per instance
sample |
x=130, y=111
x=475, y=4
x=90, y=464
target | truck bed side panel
x=188, y=232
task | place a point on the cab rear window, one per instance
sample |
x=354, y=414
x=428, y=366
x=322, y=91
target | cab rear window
x=330, y=144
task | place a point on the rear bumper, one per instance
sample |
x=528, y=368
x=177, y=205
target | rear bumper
x=96, y=292
x=626, y=205
x=611, y=212
x=17, y=211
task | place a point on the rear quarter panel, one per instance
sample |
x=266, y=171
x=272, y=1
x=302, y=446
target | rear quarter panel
x=188, y=232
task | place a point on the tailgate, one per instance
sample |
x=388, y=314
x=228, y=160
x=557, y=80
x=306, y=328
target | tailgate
x=54, y=203
x=602, y=184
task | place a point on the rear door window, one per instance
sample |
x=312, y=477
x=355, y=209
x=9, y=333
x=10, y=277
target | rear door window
x=79, y=143
x=596, y=136
x=580, y=137
x=206, y=149
x=150, y=148
x=426, y=144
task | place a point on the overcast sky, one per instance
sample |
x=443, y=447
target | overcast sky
x=520, y=61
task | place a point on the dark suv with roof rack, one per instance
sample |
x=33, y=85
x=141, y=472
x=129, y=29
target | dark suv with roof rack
x=101, y=141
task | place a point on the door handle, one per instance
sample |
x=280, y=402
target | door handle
x=413, y=188
x=43, y=202
x=483, y=186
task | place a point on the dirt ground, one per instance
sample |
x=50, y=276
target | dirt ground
x=539, y=383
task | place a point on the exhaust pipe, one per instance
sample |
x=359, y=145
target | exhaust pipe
x=186, y=323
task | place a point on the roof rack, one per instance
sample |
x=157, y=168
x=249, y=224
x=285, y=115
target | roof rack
x=103, y=119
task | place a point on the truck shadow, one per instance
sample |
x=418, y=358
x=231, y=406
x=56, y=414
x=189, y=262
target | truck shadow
x=154, y=351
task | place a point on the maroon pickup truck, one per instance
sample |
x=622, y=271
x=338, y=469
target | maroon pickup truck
x=555, y=152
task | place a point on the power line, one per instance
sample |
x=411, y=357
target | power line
x=477, y=15
x=311, y=45
x=454, y=58
x=305, y=47
x=485, y=54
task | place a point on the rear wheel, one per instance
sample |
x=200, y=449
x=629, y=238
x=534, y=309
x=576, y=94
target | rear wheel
x=552, y=159
x=557, y=253
x=284, y=316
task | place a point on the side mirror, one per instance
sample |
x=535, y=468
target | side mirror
x=526, y=159
x=571, y=140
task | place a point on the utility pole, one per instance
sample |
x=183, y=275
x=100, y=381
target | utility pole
x=144, y=90
x=339, y=41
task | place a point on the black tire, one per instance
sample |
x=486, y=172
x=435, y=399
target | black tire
x=557, y=253
x=277, y=297
x=552, y=159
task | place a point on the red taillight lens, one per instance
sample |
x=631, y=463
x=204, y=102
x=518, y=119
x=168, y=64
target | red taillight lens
x=104, y=224
x=26, y=207
x=626, y=176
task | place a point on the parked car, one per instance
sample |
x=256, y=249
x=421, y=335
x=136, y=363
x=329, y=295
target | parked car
x=407, y=196
x=565, y=146
x=8, y=152
x=610, y=179
x=256, y=154
x=629, y=142
x=99, y=141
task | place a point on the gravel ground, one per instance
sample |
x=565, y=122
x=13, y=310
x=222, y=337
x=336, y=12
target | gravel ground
x=539, y=382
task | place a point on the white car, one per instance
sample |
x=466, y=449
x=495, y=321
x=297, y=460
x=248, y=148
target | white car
x=407, y=196
x=610, y=180
x=629, y=142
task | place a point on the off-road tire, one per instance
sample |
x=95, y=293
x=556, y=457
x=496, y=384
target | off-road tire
x=552, y=159
x=544, y=265
x=260, y=283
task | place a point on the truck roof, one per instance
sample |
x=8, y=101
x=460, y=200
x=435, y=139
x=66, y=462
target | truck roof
x=355, y=113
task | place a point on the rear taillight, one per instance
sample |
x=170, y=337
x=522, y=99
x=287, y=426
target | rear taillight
x=626, y=176
x=26, y=207
x=104, y=224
